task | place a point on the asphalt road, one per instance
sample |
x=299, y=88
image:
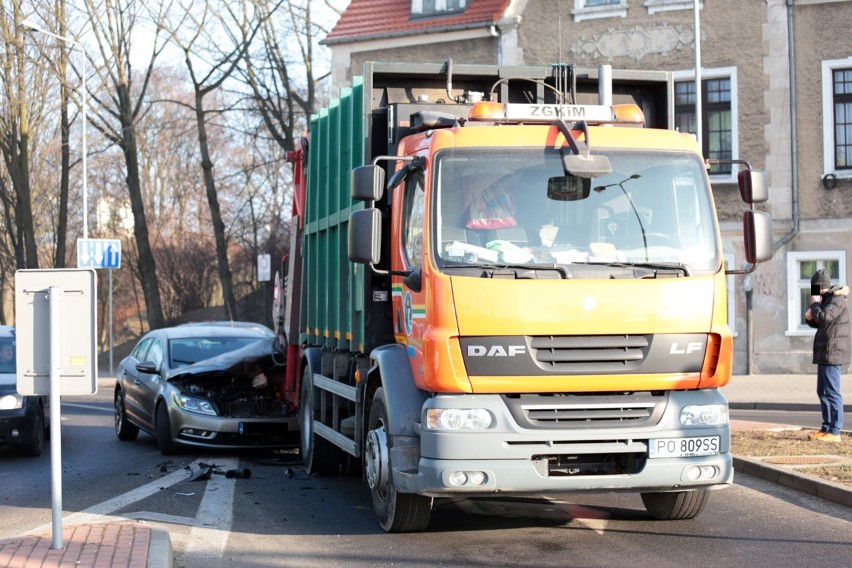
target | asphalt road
x=282, y=517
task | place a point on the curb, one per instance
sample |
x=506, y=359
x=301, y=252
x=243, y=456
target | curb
x=828, y=490
x=160, y=554
x=785, y=406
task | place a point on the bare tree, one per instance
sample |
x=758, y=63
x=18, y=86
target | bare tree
x=195, y=35
x=15, y=134
x=116, y=117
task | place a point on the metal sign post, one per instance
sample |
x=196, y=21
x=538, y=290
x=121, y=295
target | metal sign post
x=55, y=350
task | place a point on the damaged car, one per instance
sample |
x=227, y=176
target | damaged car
x=204, y=386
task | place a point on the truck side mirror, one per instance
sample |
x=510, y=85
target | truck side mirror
x=365, y=227
x=368, y=183
x=757, y=236
x=753, y=186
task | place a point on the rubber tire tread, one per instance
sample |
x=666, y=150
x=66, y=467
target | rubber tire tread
x=34, y=449
x=321, y=457
x=400, y=512
x=127, y=432
x=678, y=505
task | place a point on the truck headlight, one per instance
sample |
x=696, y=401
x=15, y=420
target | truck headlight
x=704, y=415
x=458, y=419
x=11, y=401
x=192, y=404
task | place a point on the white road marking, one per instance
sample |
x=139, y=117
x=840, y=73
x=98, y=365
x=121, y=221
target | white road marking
x=206, y=543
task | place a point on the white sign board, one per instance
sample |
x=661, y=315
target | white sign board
x=78, y=361
x=98, y=253
x=264, y=268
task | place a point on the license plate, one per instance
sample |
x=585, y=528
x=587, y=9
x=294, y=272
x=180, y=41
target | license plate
x=683, y=447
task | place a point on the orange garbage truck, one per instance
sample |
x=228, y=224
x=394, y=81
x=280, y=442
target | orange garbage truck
x=510, y=281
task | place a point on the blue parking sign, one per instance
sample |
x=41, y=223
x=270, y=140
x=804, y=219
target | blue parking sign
x=98, y=253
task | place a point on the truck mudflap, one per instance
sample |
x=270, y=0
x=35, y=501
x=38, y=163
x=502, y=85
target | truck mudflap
x=657, y=456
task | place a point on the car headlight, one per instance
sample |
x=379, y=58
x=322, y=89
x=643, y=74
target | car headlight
x=192, y=404
x=704, y=415
x=458, y=419
x=11, y=401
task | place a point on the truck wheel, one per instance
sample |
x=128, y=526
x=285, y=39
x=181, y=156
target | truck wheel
x=319, y=456
x=125, y=431
x=34, y=448
x=397, y=512
x=164, y=432
x=676, y=505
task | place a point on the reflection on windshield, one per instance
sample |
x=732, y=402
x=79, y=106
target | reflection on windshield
x=7, y=356
x=191, y=350
x=505, y=207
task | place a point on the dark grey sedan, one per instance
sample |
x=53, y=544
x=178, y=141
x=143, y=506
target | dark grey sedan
x=205, y=386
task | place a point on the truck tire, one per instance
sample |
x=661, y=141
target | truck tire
x=397, y=512
x=319, y=456
x=676, y=505
x=124, y=430
x=164, y=432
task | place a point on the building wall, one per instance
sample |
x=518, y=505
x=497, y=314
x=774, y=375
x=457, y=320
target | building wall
x=751, y=38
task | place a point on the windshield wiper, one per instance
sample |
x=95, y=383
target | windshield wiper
x=492, y=267
x=661, y=265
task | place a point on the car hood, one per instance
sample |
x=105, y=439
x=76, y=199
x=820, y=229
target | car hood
x=263, y=356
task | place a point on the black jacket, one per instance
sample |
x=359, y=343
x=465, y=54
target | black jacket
x=832, y=342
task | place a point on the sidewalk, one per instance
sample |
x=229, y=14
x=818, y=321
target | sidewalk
x=135, y=545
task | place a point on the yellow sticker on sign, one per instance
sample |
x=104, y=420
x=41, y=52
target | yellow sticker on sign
x=78, y=361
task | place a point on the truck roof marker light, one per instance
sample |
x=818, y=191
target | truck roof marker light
x=488, y=111
x=629, y=114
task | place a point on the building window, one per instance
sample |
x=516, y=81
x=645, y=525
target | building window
x=654, y=6
x=594, y=9
x=718, y=116
x=436, y=7
x=837, y=117
x=800, y=268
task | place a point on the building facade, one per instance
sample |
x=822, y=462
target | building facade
x=776, y=90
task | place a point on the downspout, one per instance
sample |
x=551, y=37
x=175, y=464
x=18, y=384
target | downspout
x=794, y=153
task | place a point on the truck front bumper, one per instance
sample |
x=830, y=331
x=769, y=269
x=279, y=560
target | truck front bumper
x=508, y=458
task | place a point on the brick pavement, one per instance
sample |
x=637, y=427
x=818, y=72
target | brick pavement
x=113, y=545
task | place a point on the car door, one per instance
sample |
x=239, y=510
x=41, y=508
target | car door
x=131, y=384
x=149, y=385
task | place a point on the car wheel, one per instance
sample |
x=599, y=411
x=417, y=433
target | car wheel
x=125, y=431
x=34, y=447
x=319, y=456
x=675, y=505
x=397, y=512
x=164, y=432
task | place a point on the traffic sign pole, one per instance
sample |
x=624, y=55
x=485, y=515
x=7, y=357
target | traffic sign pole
x=54, y=296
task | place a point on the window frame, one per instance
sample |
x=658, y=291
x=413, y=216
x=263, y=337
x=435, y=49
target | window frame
x=828, y=123
x=729, y=73
x=582, y=12
x=795, y=284
x=654, y=6
x=439, y=8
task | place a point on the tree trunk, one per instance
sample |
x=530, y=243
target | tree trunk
x=215, y=213
x=65, y=167
x=146, y=264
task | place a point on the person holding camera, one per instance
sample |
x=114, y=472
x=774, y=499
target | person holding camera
x=832, y=349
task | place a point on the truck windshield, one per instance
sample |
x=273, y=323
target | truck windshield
x=506, y=207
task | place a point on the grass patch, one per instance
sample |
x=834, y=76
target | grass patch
x=767, y=443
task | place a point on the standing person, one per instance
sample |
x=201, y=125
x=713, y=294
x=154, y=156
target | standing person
x=832, y=349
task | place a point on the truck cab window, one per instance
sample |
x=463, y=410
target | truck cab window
x=412, y=221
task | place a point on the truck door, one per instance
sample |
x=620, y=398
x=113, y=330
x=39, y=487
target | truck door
x=409, y=297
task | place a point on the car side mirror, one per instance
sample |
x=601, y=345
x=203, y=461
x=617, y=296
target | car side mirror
x=147, y=367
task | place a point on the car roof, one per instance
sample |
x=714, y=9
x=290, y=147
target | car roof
x=194, y=331
x=233, y=324
x=7, y=331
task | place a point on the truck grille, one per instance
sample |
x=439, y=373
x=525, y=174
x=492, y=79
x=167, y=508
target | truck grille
x=592, y=354
x=577, y=411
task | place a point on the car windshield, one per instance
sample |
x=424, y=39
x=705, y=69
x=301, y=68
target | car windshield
x=517, y=207
x=190, y=350
x=7, y=355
